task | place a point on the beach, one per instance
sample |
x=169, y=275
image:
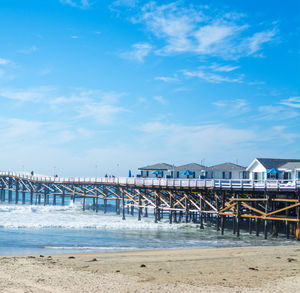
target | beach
x=239, y=269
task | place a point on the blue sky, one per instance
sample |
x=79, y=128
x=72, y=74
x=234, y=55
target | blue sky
x=89, y=87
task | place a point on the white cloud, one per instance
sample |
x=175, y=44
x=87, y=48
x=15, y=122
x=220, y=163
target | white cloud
x=138, y=53
x=96, y=104
x=188, y=139
x=102, y=113
x=100, y=106
x=254, y=43
x=75, y=37
x=4, y=61
x=167, y=78
x=83, y=4
x=36, y=94
x=128, y=3
x=293, y=102
x=16, y=129
x=28, y=50
x=212, y=77
x=217, y=142
x=202, y=31
x=213, y=38
x=216, y=73
x=160, y=99
x=45, y=71
x=236, y=106
x=223, y=68
x=276, y=113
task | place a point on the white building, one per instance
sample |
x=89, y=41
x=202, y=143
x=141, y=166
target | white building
x=263, y=168
x=159, y=170
x=192, y=170
x=226, y=171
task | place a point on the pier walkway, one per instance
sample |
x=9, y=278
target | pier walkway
x=268, y=206
x=236, y=184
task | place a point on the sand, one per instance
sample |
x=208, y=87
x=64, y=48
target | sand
x=242, y=269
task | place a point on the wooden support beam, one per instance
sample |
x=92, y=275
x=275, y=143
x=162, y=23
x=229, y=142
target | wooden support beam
x=140, y=207
x=238, y=217
x=123, y=204
x=223, y=216
x=170, y=210
x=253, y=209
x=283, y=209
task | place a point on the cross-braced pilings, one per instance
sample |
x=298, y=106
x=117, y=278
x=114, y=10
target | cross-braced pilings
x=259, y=207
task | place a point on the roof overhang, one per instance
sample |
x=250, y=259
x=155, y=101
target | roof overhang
x=252, y=163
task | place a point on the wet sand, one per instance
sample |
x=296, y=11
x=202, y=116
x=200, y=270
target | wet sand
x=241, y=269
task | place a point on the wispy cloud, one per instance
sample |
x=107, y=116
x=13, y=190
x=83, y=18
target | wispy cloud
x=100, y=112
x=138, y=53
x=293, y=102
x=255, y=43
x=223, y=68
x=271, y=112
x=101, y=106
x=28, y=50
x=212, y=77
x=222, y=141
x=233, y=107
x=45, y=71
x=166, y=78
x=35, y=94
x=199, y=30
x=4, y=61
x=160, y=99
x=179, y=138
x=128, y=3
x=82, y=4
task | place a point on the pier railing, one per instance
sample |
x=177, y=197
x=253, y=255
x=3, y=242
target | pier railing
x=163, y=182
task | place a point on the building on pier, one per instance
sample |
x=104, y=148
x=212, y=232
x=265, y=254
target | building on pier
x=277, y=169
x=195, y=171
x=159, y=170
x=226, y=171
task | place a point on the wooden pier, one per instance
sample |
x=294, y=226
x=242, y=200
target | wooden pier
x=268, y=207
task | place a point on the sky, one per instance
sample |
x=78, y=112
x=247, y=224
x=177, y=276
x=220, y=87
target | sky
x=94, y=87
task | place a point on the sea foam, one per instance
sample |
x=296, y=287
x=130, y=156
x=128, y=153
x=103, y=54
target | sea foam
x=72, y=217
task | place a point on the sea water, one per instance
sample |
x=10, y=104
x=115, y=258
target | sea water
x=38, y=229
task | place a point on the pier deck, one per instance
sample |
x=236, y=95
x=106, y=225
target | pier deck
x=269, y=206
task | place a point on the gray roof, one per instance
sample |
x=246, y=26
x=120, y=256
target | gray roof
x=158, y=166
x=191, y=167
x=279, y=163
x=227, y=167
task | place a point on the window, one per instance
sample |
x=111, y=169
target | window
x=223, y=175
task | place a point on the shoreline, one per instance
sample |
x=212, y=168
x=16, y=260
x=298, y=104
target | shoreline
x=153, y=250
x=52, y=251
x=230, y=269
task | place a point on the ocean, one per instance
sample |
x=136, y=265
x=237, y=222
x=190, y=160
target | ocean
x=38, y=229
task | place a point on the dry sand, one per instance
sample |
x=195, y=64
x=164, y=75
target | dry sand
x=243, y=269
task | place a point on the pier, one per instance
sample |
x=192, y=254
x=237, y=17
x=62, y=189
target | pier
x=267, y=206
